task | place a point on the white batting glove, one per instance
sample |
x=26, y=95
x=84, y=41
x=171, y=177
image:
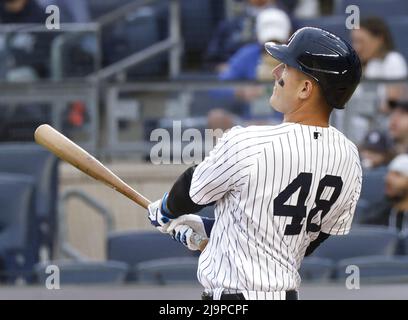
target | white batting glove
x=186, y=227
x=159, y=215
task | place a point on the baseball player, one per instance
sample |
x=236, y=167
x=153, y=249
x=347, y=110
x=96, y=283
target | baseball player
x=279, y=191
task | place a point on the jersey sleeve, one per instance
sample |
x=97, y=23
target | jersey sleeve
x=339, y=223
x=220, y=170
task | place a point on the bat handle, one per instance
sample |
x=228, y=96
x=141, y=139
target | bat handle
x=199, y=241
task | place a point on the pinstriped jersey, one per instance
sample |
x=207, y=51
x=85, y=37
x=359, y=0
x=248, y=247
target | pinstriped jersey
x=276, y=188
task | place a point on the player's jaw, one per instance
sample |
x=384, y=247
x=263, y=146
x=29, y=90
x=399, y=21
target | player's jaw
x=283, y=91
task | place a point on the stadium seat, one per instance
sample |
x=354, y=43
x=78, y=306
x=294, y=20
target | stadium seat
x=4, y=58
x=98, y=8
x=16, y=206
x=198, y=21
x=376, y=269
x=362, y=209
x=74, y=55
x=136, y=32
x=86, y=272
x=168, y=271
x=18, y=122
x=361, y=241
x=404, y=243
x=334, y=24
x=33, y=160
x=314, y=269
x=372, y=189
x=380, y=8
x=136, y=247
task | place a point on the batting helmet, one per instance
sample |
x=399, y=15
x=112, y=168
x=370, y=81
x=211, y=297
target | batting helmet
x=325, y=57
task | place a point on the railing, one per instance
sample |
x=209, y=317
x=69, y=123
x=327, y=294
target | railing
x=57, y=91
x=172, y=43
x=65, y=249
x=57, y=39
x=58, y=96
x=177, y=97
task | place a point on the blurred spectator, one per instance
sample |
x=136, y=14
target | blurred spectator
x=21, y=11
x=393, y=210
x=26, y=58
x=375, y=47
x=252, y=63
x=70, y=10
x=389, y=92
x=376, y=150
x=27, y=53
x=232, y=34
x=398, y=124
x=306, y=9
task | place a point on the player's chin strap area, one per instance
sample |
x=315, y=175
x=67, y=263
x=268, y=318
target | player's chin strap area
x=223, y=294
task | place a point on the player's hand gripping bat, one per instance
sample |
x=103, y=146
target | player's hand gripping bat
x=70, y=152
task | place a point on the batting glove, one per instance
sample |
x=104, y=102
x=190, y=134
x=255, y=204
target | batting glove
x=159, y=215
x=186, y=228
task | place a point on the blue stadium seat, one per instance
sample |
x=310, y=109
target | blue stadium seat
x=86, y=272
x=372, y=189
x=16, y=206
x=198, y=21
x=377, y=268
x=361, y=241
x=168, y=271
x=314, y=269
x=380, y=8
x=98, y=8
x=43, y=167
x=136, y=247
x=77, y=56
x=334, y=24
x=404, y=243
x=362, y=209
x=399, y=27
x=18, y=122
x=136, y=32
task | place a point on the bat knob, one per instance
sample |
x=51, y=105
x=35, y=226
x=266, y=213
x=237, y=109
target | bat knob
x=199, y=241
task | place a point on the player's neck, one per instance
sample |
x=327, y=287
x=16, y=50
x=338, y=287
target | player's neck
x=308, y=118
x=309, y=113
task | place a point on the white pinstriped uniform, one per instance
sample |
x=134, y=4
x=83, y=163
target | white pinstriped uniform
x=248, y=250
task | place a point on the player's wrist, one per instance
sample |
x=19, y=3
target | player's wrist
x=164, y=209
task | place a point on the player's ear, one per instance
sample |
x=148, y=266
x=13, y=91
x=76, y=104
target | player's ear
x=306, y=89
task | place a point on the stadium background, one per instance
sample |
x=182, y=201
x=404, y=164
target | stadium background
x=113, y=72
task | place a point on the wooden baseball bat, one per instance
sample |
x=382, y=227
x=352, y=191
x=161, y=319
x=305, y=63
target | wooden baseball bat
x=70, y=152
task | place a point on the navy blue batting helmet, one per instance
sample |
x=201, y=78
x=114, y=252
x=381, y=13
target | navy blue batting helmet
x=325, y=57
